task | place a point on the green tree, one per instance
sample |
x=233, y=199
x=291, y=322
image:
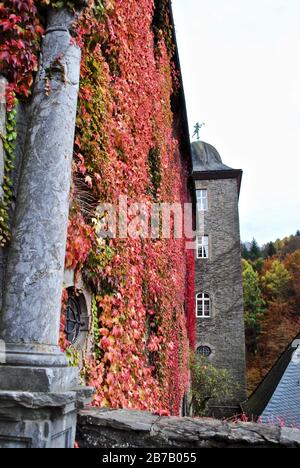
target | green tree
x=275, y=282
x=245, y=251
x=271, y=249
x=258, y=265
x=208, y=383
x=254, y=305
x=254, y=251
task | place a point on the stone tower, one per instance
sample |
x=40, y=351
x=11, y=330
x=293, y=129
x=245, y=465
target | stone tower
x=219, y=292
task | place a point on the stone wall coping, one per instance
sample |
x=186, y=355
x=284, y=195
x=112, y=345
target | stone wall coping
x=39, y=400
x=36, y=400
x=180, y=432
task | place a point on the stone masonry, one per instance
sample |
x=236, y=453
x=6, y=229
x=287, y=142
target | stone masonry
x=220, y=275
x=124, y=429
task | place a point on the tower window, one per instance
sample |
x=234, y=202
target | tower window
x=204, y=351
x=202, y=200
x=203, y=305
x=202, y=247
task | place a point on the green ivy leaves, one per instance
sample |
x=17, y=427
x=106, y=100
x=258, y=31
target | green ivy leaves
x=9, y=143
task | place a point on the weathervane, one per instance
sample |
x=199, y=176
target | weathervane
x=197, y=129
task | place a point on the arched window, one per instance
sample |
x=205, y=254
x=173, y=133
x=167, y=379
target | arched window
x=203, y=351
x=203, y=305
x=77, y=320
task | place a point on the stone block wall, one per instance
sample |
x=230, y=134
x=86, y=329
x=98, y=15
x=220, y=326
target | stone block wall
x=136, y=429
x=220, y=276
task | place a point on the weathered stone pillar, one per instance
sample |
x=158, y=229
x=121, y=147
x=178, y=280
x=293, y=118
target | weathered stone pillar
x=32, y=298
x=29, y=323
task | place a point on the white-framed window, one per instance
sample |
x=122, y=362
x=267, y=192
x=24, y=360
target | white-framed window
x=202, y=200
x=202, y=247
x=203, y=305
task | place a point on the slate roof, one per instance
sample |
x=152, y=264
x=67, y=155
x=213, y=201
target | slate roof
x=206, y=158
x=285, y=402
x=278, y=396
x=207, y=164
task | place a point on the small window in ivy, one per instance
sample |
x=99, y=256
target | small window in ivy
x=204, y=351
x=77, y=320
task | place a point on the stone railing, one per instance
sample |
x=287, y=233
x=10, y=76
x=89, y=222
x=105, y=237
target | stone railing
x=125, y=428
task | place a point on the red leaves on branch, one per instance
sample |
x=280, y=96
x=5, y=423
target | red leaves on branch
x=79, y=243
x=190, y=297
x=20, y=35
x=124, y=112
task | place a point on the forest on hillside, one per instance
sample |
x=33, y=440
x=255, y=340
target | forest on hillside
x=271, y=281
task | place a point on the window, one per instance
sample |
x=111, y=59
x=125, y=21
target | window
x=203, y=351
x=202, y=247
x=202, y=200
x=203, y=306
x=77, y=320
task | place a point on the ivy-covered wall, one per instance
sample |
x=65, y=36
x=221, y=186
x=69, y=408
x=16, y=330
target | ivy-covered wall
x=143, y=296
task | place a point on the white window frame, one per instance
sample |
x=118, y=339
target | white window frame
x=203, y=247
x=203, y=306
x=202, y=199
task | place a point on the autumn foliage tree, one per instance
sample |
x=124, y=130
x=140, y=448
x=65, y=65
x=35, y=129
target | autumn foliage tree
x=253, y=305
x=276, y=277
x=292, y=264
x=208, y=384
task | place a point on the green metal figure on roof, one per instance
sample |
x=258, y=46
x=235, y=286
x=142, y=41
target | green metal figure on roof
x=197, y=129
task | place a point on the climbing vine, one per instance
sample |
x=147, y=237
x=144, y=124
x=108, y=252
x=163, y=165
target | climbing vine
x=155, y=171
x=60, y=3
x=20, y=34
x=161, y=26
x=124, y=146
x=9, y=142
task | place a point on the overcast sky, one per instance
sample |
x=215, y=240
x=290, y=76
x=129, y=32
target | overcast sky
x=241, y=69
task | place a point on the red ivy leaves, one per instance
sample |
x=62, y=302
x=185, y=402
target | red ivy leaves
x=190, y=297
x=20, y=34
x=79, y=243
x=124, y=112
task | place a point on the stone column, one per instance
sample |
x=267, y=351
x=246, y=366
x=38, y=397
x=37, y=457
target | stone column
x=32, y=298
x=35, y=369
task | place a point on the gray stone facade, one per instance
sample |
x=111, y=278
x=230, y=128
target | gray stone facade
x=220, y=275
